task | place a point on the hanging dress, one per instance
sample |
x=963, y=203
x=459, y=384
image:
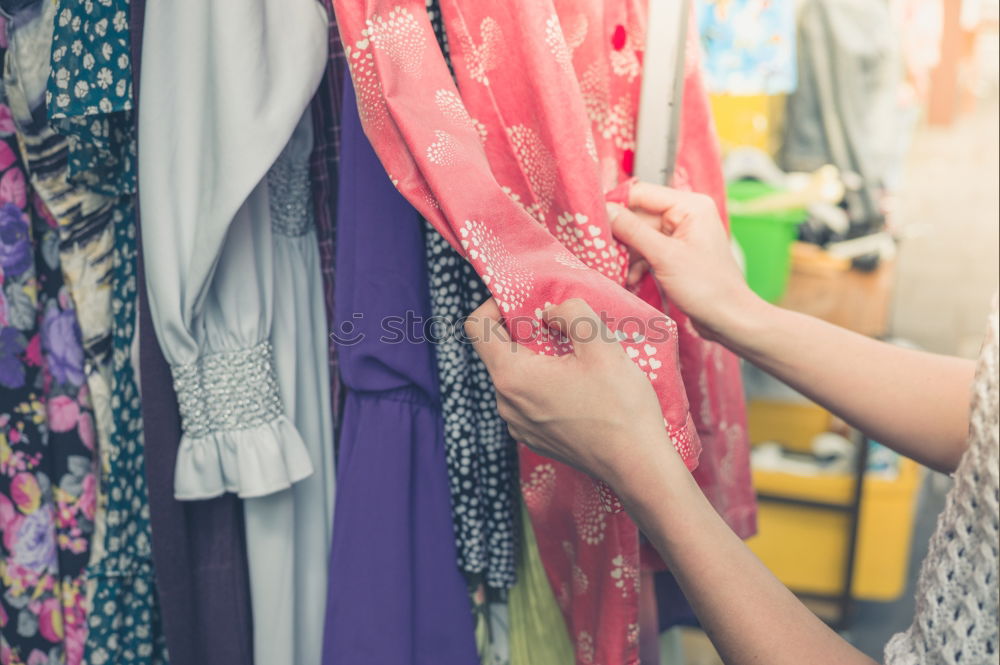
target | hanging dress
x=248, y=71
x=47, y=435
x=198, y=549
x=517, y=130
x=97, y=250
x=396, y=595
x=209, y=258
x=288, y=532
x=89, y=101
x=481, y=456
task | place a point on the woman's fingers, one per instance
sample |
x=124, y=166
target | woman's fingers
x=485, y=330
x=636, y=272
x=655, y=199
x=673, y=207
x=639, y=234
x=576, y=320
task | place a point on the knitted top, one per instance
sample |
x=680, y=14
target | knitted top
x=956, y=613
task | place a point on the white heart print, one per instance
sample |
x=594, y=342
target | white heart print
x=483, y=57
x=445, y=149
x=368, y=88
x=453, y=108
x=580, y=238
x=400, y=35
x=539, y=487
x=509, y=279
x=537, y=163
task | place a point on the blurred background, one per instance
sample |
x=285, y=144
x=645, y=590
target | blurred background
x=861, y=150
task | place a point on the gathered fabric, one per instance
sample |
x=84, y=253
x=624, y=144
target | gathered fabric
x=207, y=228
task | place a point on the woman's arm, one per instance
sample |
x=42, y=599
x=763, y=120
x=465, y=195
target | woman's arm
x=913, y=402
x=747, y=613
x=612, y=428
x=916, y=403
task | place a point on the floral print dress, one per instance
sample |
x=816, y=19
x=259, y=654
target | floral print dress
x=89, y=103
x=47, y=433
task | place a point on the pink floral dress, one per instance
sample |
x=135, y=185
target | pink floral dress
x=47, y=435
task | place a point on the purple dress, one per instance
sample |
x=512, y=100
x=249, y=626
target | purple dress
x=396, y=595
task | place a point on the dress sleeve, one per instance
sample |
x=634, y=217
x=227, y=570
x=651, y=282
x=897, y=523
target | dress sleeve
x=225, y=85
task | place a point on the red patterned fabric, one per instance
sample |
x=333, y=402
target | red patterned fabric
x=711, y=374
x=510, y=166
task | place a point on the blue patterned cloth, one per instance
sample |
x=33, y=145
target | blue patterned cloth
x=89, y=93
x=124, y=624
x=89, y=101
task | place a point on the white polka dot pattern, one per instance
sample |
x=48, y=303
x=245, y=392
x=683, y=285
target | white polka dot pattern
x=481, y=456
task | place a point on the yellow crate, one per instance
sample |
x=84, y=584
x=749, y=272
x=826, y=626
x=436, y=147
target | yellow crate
x=792, y=424
x=748, y=121
x=806, y=547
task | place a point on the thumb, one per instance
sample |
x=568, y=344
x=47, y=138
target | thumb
x=575, y=319
x=484, y=328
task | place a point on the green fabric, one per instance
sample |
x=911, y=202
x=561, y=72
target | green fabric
x=537, y=631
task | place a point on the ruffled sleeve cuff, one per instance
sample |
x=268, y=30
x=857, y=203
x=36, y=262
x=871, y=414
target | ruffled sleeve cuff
x=236, y=437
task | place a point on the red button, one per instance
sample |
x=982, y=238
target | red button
x=628, y=161
x=619, y=37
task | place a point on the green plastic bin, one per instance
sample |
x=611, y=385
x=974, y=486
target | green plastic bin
x=765, y=238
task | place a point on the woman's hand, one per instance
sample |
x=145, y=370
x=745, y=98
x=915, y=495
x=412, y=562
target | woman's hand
x=915, y=403
x=594, y=409
x=680, y=238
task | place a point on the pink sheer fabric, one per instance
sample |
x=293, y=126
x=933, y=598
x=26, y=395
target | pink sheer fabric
x=511, y=166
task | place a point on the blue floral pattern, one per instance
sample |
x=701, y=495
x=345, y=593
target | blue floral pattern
x=89, y=101
x=89, y=93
